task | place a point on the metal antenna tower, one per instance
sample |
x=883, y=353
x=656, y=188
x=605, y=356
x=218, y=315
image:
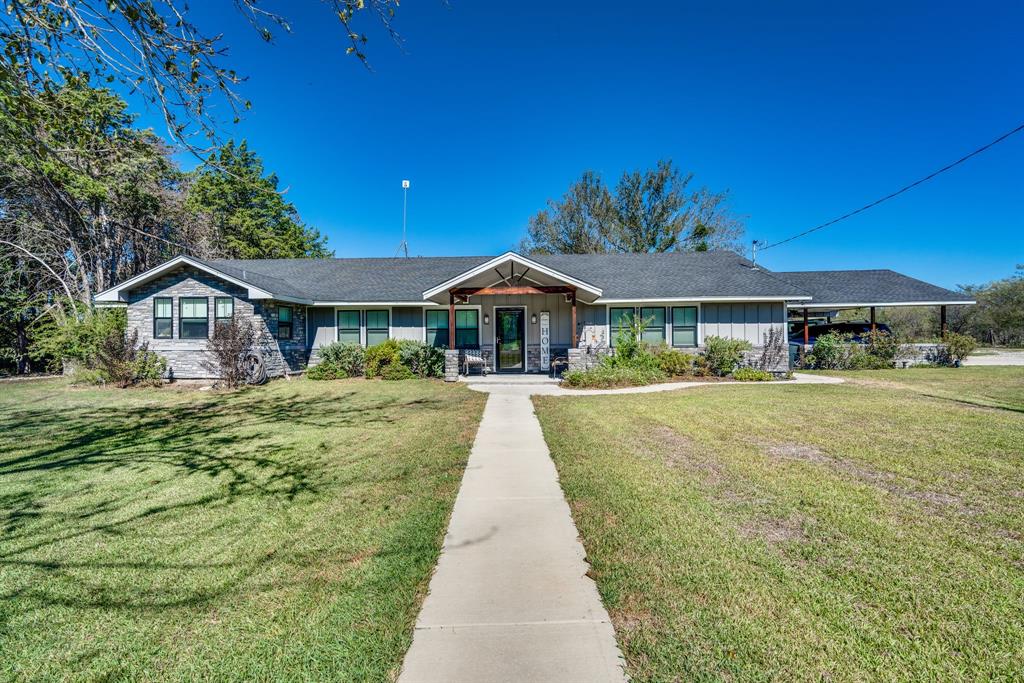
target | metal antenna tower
x=403, y=248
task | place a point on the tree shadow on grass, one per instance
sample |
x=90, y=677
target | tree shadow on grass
x=55, y=491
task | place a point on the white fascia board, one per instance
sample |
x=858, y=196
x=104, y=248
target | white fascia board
x=116, y=294
x=522, y=260
x=375, y=303
x=824, y=306
x=675, y=299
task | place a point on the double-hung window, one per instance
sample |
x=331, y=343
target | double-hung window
x=163, y=327
x=437, y=329
x=654, y=325
x=284, y=322
x=376, y=327
x=193, y=318
x=684, y=326
x=467, y=328
x=223, y=312
x=348, y=327
x=618, y=322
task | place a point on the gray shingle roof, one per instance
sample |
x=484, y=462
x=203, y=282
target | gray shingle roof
x=867, y=287
x=620, y=276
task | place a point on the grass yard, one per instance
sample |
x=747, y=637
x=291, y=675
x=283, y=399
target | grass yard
x=284, y=532
x=872, y=530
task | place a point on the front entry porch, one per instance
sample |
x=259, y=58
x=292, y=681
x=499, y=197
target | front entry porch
x=512, y=315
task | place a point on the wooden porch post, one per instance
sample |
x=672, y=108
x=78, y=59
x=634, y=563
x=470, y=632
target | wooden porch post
x=873, y=326
x=451, y=321
x=807, y=330
x=575, y=340
x=942, y=321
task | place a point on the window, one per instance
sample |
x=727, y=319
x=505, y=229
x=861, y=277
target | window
x=437, y=328
x=376, y=327
x=163, y=328
x=467, y=329
x=618, y=321
x=284, y=322
x=684, y=326
x=223, y=311
x=194, y=321
x=654, y=325
x=348, y=327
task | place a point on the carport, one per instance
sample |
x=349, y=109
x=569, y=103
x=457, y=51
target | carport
x=837, y=290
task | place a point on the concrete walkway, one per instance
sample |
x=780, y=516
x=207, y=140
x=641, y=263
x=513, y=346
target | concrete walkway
x=510, y=600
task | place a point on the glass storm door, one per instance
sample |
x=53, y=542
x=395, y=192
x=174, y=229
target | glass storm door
x=509, y=339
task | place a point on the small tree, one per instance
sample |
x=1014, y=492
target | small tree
x=233, y=343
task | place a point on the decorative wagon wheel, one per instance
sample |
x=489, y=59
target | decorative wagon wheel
x=255, y=368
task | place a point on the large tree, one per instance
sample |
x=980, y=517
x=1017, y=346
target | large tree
x=652, y=210
x=104, y=203
x=250, y=216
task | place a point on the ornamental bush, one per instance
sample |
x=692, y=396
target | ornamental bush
x=724, y=355
x=121, y=360
x=324, y=370
x=423, y=360
x=752, y=375
x=381, y=356
x=347, y=358
x=675, y=363
x=952, y=351
x=831, y=351
x=605, y=376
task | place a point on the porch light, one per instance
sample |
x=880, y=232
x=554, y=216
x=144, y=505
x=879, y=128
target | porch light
x=533, y=319
x=487, y=319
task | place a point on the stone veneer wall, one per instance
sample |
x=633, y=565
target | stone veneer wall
x=186, y=357
x=584, y=359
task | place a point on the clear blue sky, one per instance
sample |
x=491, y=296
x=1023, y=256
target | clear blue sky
x=803, y=110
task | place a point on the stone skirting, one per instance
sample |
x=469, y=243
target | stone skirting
x=584, y=359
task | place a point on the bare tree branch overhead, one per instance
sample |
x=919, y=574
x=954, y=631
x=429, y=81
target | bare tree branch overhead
x=152, y=47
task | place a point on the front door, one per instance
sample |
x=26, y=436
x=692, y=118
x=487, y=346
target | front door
x=508, y=337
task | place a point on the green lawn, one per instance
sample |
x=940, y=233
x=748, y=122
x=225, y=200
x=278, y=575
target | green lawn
x=992, y=386
x=873, y=530
x=284, y=532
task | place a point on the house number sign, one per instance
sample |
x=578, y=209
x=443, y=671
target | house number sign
x=545, y=339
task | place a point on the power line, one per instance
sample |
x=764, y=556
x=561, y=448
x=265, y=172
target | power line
x=899, y=191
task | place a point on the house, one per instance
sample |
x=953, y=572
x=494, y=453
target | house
x=513, y=311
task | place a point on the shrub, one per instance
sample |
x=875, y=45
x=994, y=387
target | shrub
x=886, y=347
x=752, y=375
x=121, y=360
x=723, y=355
x=959, y=346
x=423, y=360
x=325, y=370
x=347, y=359
x=774, y=350
x=78, y=336
x=396, y=371
x=229, y=351
x=831, y=351
x=860, y=359
x=381, y=356
x=700, y=367
x=630, y=352
x=952, y=351
x=605, y=376
x=675, y=363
